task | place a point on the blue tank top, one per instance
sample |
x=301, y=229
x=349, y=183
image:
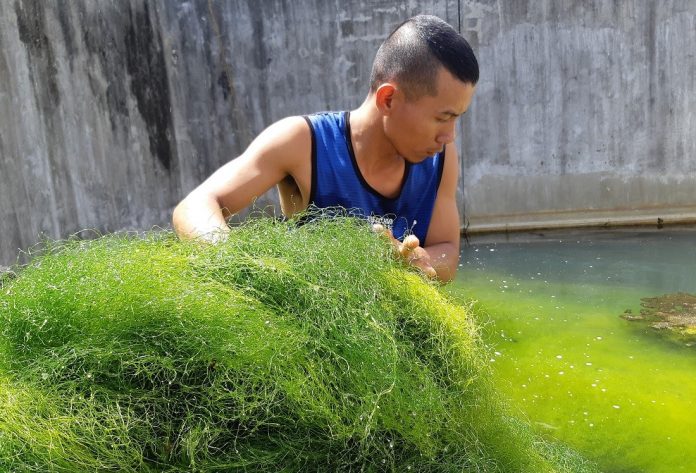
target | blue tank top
x=337, y=181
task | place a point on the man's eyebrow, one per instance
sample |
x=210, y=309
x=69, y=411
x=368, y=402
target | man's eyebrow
x=451, y=113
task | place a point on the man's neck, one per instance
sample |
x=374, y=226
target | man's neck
x=379, y=162
x=373, y=150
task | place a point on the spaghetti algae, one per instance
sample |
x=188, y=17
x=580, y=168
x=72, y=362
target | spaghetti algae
x=283, y=348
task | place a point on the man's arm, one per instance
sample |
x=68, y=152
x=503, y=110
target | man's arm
x=280, y=150
x=442, y=240
x=440, y=256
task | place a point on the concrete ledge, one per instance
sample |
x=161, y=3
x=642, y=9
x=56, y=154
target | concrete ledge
x=590, y=219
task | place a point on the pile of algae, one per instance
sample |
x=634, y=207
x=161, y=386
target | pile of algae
x=283, y=349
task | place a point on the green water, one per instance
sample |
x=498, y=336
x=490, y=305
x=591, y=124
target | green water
x=613, y=390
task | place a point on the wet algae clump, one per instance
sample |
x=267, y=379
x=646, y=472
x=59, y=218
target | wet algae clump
x=282, y=349
x=671, y=315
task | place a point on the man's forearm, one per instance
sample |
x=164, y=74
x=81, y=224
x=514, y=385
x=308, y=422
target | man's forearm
x=444, y=258
x=199, y=217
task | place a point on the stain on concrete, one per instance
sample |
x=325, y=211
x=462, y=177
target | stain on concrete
x=238, y=115
x=262, y=59
x=31, y=25
x=145, y=63
x=106, y=75
x=67, y=30
x=224, y=83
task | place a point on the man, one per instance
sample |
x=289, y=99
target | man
x=388, y=159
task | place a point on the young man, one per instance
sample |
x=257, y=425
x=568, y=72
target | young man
x=388, y=160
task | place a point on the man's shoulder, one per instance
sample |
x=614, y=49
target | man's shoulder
x=285, y=136
x=291, y=126
x=284, y=141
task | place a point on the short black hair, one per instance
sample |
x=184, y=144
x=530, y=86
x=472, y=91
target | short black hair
x=412, y=54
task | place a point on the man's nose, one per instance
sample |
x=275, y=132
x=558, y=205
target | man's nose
x=447, y=136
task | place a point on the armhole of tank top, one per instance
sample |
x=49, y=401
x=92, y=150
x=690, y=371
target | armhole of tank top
x=313, y=180
x=441, y=168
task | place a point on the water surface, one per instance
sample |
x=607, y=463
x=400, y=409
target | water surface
x=615, y=390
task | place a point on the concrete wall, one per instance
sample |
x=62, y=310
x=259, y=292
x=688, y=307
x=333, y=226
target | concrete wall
x=110, y=111
x=586, y=112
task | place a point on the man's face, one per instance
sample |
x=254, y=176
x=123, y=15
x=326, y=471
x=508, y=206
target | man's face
x=420, y=128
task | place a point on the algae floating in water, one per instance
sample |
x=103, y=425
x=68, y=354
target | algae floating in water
x=673, y=315
x=282, y=349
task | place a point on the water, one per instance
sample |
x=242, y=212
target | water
x=614, y=390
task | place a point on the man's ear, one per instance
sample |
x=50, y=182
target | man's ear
x=384, y=97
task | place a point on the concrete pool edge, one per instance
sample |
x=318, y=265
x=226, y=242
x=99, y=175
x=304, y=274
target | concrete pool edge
x=589, y=220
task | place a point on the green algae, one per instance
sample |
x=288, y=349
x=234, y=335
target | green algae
x=283, y=349
x=582, y=375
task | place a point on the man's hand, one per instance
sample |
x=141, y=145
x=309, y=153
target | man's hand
x=409, y=251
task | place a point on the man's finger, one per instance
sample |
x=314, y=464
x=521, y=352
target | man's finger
x=430, y=272
x=378, y=228
x=425, y=267
x=409, y=244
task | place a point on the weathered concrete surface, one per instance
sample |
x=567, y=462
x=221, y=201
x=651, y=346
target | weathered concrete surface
x=110, y=112
x=583, y=106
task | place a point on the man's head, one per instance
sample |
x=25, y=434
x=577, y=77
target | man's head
x=423, y=80
x=415, y=51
